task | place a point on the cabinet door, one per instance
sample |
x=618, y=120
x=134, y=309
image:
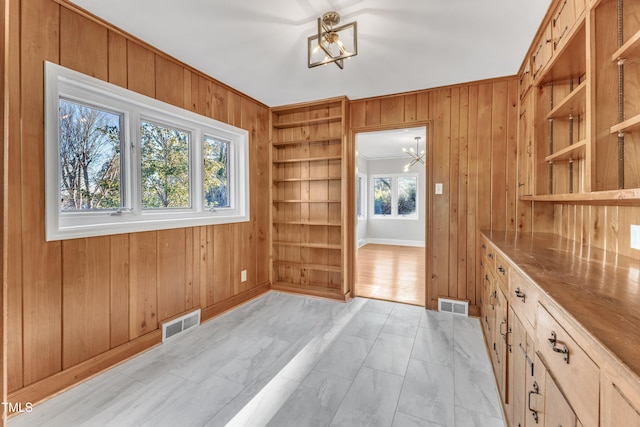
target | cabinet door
x=543, y=52
x=500, y=342
x=536, y=394
x=618, y=407
x=557, y=409
x=518, y=369
x=563, y=19
x=525, y=147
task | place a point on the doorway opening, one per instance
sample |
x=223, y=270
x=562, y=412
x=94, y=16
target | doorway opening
x=391, y=214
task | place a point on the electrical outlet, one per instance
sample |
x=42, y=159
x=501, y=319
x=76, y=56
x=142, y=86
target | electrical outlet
x=438, y=188
x=635, y=237
x=243, y=276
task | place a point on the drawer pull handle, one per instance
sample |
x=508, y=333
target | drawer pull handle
x=520, y=294
x=502, y=270
x=534, y=413
x=553, y=342
x=493, y=296
x=526, y=357
x=491, y=255
x=484, y=246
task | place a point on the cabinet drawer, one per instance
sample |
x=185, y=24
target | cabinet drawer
x=563, y=19
x=501, y=271
x=525, y=81
x=542, y=52
x=523, y=297
x=576, y=374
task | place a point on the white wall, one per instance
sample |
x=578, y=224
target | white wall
x=362, y=223
x=387, y=230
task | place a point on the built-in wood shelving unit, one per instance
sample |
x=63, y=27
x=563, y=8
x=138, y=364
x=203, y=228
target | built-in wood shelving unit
x=308, y=197
x=572, y=152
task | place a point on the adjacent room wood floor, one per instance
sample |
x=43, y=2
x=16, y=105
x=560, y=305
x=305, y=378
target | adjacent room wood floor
x=393, y=273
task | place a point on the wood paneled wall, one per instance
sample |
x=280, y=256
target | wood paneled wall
x=75, y=302
x=473, y=128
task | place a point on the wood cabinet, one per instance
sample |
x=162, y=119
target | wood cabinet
x=308, y=197
x=547, y=340
x=582, y=114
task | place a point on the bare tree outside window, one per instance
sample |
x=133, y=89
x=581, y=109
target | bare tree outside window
x=382, y=196
x=165, y=166
x=89, y=157
x=407, y=195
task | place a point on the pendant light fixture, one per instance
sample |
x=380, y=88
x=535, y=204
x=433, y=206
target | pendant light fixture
x=332, y=43
x=417, y=155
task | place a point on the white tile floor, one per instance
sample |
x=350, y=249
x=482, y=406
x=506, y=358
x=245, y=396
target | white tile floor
x=286, y=360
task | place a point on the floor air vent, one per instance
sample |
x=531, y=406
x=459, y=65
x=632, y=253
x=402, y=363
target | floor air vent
x=180, y=324
x=461, y=308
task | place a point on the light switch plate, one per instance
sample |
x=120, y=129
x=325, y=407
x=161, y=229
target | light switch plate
x=438, y=188
x=243, y=276
x=635, y=237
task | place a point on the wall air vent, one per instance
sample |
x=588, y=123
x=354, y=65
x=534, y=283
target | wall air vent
x=180, y=324
x=460, y=308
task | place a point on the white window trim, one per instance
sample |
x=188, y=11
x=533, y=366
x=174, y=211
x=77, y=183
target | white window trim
x=61, y=82
x=394, y=196
x=364, y=195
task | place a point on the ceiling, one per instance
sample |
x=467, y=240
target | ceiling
x=388, y=144
x=259, y=47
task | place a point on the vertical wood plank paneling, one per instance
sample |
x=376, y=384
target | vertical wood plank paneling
x=454, y=185
x=141, y=69
x=463, y=234
x=422, y=106
x=86, y=288
x=410, y=108
x=511, y=156
x=440, y=108
x=208, y=267
x=83, y=45
x=119, y=301
x=220, y=103
x=498, y=155
x=169, y=81
x=3, y=207
x=143, y=284
x=172, y=271
x=222, y=256
x=473, y=291
x=392, y=110
x=372, y=108
x=485, y=101
x=14, y=353
x=41, y=261
x=117, y=59
x=263, y=205
x=358, y=114
x=188, y=103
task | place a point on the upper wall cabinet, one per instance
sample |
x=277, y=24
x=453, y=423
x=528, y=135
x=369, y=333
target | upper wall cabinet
x=308, y=197
x=581, y=119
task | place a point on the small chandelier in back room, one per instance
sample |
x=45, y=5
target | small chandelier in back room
x=416, y=156
x=332, y=44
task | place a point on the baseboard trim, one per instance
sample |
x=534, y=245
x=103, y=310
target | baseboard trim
x=336, y=296
x=57, y=383
x=394, y=242
x=222, y=306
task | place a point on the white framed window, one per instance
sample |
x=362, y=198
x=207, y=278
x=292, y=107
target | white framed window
x=361, y=196
x=120, y=162
x=394, y=196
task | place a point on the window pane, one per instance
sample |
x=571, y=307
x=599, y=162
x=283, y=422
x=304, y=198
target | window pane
x=89, y=157
x=382, y=196
x=216, y=167
x=359, y=197
x=407, y=195
x=165, y=166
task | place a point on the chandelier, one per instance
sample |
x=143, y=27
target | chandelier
x=416, y=156
x=332, y=44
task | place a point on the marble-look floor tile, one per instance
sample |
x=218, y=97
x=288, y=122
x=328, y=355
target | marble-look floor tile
x=345, y=356
x=379, y=306
x=198, y=406
x=366, y=324
x=370, y=401
x=435, y=345
x=469, y=341
x=466, y=418
x=437, y=320
x=250, y=363
x=428, y=392
x=403, y=322
x=313, y=403
x=475, y=388
x=390, y=353
x=404, y=420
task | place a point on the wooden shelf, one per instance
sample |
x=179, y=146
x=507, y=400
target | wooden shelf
x=570, y=61
x=317, y=267
x=630, y=197
x=572, y=152
x=319, y=290
x=309, y=245
x=308, y=159
x=305, y=201
x=325, y=178
x=314, y=223
x=307, y=141
x=316, y=121
x=630, y=49
x=572, y=104
x=627, y=126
